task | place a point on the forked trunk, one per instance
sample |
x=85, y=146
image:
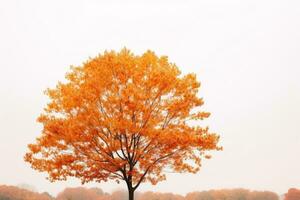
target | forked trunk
x=130, y=188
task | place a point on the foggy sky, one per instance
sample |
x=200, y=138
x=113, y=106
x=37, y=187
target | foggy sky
x=245, y=53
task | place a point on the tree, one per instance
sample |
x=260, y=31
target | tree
x=16, y=193
x=122, y=117
x=239, y=194
x=293, y=194
x=232, y=194
x=116, y=195
x=81, y=193
x=159, y=196
x=265, y=195
x=204, y=195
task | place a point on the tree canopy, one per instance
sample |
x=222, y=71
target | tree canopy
x=123, y=117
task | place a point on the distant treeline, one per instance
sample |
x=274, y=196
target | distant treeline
x=81, y=193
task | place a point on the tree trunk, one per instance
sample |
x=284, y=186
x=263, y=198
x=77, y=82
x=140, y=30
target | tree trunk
x=130, y=194
x=130, y=188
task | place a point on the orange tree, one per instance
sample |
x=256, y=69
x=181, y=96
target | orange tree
x=122, y=117
x=293, y=194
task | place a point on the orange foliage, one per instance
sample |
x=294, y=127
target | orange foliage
x=15, y=193
x=293, y=194
x=122, y=117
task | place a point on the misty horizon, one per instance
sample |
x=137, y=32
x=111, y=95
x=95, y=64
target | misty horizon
x=93, y=192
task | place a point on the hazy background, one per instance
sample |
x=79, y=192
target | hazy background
x=245, y=53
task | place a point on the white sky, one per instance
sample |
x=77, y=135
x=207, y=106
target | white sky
x=245, y=53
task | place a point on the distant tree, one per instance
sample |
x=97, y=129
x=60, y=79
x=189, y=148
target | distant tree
x=205, y=195
x=122, y=117
x=16, y=193
x=159, y=196
x=27, y=187
x=265, y=195
x=120, y=194
x=239, y=194
x=81, y=193
x=97, y=191
x=231, y=194
x=292, y=194
x=48, y=195
x=221, y=194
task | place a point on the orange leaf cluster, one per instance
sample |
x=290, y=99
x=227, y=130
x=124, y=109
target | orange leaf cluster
x=122, y=117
